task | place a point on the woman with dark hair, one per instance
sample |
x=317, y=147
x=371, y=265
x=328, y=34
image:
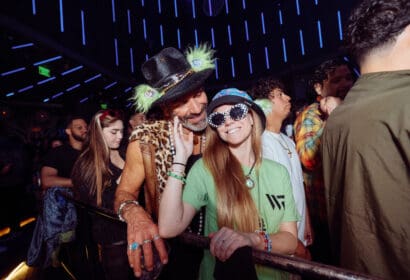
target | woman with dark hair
x=95, y=177
x=248, y=200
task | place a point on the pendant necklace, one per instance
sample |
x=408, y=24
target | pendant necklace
x=285, y=147
x=249, y=182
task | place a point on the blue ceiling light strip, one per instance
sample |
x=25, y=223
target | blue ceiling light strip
x=302, y=44
x=196, y=38
x=22, y=46
x=263, y=23
x=319, y=31
x=92, y=78
x=84, y=100
x=142, y=3
x=128, y=105
x=285, y=55
x=250, y=63
x=116, y=51
x=267, y=58
x=33, y=7
x=179, y=38
x=13, y=71
x=246, y=30
x=146, y=57
x=339, y=22
x=46, y=100
x=110, y=85
x=72, y=70
x=46, y=80
x=213, y=37
x=161, y=35
x=83, y=29
x=193, y=9
x=176, y=8
x=25, y=88
x=244, y=4
x=129, y=21
x=127, y=89
x=113, y=11
x=229, y=35
x=226, y=7
x=57, y=95
x=316, y=2
x=47, y=60
x=10, y=94
x=159, y=7
x=216, y=70
x=297, y=8
x=72, y=88
x=210, y=8
x=61, y=16
x=233, y=66
x=144, y=26
x=132, y=60
x=280, y=17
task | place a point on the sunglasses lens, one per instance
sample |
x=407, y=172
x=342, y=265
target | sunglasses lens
x=238, y=112
x=216, y=119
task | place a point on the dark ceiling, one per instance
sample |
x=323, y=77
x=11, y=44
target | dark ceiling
x=75, y=52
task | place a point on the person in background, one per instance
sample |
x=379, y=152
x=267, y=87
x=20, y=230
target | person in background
x=331, y=80
x=235, y=184
x=366, y=146
x=271, y=97
x=175, y=88
x=95, y=177
x=135, y=119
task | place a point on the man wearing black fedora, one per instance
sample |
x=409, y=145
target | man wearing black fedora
x=174, y=89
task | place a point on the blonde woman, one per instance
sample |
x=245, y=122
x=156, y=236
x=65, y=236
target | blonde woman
x=248, y=200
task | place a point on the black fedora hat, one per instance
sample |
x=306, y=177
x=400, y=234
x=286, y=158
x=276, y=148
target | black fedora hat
x=170, y=75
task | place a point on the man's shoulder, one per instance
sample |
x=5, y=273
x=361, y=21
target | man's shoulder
x=150, y=130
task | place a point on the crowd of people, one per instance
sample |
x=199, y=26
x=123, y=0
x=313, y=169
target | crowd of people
x=334, y=189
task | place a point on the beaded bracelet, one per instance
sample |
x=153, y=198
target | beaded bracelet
x=179, y=163
x=176, y=176
x=122, y=205
x=266, y=239
x=178, y=172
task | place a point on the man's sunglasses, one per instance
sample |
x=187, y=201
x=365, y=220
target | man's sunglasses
x=236, y=113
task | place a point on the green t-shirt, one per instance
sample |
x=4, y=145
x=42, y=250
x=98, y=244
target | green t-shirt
x=272, y=195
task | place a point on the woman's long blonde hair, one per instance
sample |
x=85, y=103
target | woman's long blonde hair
x=235, y=206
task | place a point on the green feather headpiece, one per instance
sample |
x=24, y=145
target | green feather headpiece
x=265, y=104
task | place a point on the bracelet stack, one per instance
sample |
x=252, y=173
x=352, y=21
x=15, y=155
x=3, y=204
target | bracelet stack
x=180, y=176
x=266, y=239
x=121, y=208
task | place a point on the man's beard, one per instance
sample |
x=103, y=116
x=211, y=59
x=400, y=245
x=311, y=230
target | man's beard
x=195, y=127
x=78, y=138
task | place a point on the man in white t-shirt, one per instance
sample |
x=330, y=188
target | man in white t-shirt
x=269, y=94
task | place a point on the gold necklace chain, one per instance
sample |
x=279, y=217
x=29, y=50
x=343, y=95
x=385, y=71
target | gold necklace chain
x=286, y=148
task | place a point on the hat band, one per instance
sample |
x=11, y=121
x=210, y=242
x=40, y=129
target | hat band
x=174, y=80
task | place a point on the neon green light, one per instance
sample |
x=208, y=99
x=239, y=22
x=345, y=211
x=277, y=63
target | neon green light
x=43, y=71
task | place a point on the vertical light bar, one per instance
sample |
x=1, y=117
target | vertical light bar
x=244, y=4
x=280, y=17
x=319, y=31
x=339, y=22
x=316, y=2
x=297, y=8
x=116, y=51
x=213, y=37
x=176, y=8
x=83, y=28
x=146, y=57
x=302, y=44
x=193, y=9
x=144, y=26
x=267, y=58
x=142, y=3
x=216, y=70
x=61, y=16
x=226, y=7
x=196, y=37
x=161, y=35
x=246, y=30
x=210, y=7
x=179, y=38
x=159, y=7
x=285, y=56
x=33, y=7
x=233, y=67
x=263, y=23
x=129, y=20
x=229, y=35
x=132, y=60
x=250, y=63
x=113, y=10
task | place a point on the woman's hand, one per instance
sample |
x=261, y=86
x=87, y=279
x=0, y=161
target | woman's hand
x=184, y=143
x=225, y=241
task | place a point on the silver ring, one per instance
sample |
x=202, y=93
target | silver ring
x=146, y=241
x=156, y=237
x=133, y=246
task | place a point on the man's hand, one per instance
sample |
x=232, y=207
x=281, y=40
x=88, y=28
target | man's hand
x=141, y=234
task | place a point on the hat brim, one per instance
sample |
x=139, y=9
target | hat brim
x=232, y=99
x=184, y=87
